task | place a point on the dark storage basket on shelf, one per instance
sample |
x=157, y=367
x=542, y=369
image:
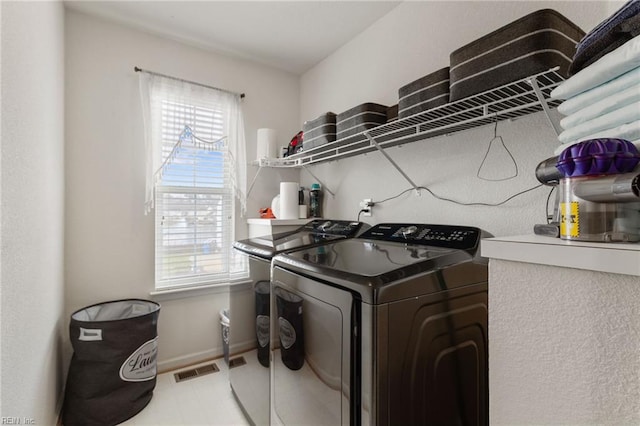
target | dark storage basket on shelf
x=534, y=43
x=113, y=369
x=319, y=131
x=356, y=120
x=425, y=93
x=392, y=113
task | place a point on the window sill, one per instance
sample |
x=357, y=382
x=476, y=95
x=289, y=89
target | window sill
x=195, y=291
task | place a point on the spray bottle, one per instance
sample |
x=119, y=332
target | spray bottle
x=315, y=200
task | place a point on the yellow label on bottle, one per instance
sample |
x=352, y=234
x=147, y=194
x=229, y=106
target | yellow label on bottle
x=569, y=219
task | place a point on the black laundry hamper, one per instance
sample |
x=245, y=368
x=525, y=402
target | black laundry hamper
x=113, y=369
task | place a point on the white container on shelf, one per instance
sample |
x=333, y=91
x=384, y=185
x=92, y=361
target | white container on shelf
x=288, y=200
x=266, y=144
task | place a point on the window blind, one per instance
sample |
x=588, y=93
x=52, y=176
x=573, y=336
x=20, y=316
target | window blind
x=194, y=204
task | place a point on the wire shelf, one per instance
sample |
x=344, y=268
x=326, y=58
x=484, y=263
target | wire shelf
x=522, y=97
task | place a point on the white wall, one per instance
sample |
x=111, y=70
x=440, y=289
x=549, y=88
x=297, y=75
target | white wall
x=32, y=200
x=109, y=241
x=564, y=346
x=413, y=40
x=575, y=332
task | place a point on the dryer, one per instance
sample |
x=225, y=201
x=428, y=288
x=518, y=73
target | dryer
x=249, y=305
x=388, y=328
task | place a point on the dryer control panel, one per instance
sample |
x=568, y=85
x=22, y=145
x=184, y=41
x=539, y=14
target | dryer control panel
x=449, y=236
x=334, y=227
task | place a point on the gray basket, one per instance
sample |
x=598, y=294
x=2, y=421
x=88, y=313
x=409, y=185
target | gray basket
x=425, y=93
x=358, y=119
x=319, y=131
x=534, y=43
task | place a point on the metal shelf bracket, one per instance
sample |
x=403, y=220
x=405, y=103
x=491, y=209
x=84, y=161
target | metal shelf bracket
x=253, y=182
x=260, y=166
x=543, y=103
x=325, y=187
x=393, y=163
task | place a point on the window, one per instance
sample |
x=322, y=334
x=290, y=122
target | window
x=195, y=204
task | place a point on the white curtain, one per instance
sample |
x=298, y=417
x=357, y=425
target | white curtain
x=153, y=90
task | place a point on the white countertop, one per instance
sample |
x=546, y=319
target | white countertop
x=617, y=258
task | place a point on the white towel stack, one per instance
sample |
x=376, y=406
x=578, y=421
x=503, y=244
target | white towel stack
x=602, y=100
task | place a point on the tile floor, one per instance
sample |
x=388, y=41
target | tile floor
x=202, y=401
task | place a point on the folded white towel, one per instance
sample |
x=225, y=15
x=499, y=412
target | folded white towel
x=626, y=81
x=610, y=66
x=629, y=131
x=624, y=115
x=604, y=106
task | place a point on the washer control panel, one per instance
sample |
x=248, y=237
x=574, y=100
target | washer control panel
x=450, y=236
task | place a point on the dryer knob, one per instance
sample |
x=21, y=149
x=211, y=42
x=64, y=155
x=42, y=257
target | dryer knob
x=325, y=225
x=409, y=230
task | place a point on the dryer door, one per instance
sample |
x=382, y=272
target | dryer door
x=313, y=345
x=249, y=309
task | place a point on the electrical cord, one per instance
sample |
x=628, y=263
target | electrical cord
x=479, y=204
x=546, y=213
x=394, y=197
x=433, y=194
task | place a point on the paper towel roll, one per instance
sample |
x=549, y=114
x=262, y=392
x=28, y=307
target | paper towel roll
x=288, y=200
x=267, y=140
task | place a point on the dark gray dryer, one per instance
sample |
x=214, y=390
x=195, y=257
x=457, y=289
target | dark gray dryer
x=249, y=309
x=389, y=328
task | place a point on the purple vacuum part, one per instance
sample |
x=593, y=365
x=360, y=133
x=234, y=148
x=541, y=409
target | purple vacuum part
x=598, y=157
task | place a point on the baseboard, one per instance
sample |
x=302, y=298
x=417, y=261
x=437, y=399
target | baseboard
x=242, y=347
x=189, y=359
x=198, y=357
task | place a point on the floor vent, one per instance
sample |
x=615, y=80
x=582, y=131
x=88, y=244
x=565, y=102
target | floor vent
x=237, y=362
x=196, y=372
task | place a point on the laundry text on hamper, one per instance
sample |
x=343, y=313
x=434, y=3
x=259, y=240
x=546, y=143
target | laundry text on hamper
x=141, y=364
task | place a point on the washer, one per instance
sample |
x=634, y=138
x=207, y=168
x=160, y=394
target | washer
x=389, y=328
x=250, y=304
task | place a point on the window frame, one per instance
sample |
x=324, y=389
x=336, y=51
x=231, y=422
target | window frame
x=235, y=269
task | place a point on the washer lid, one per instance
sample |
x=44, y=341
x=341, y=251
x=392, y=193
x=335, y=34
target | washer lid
x=269, y=245
x=381, y=271
x=315, y=232
x=370, y=258
x=393, y=261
